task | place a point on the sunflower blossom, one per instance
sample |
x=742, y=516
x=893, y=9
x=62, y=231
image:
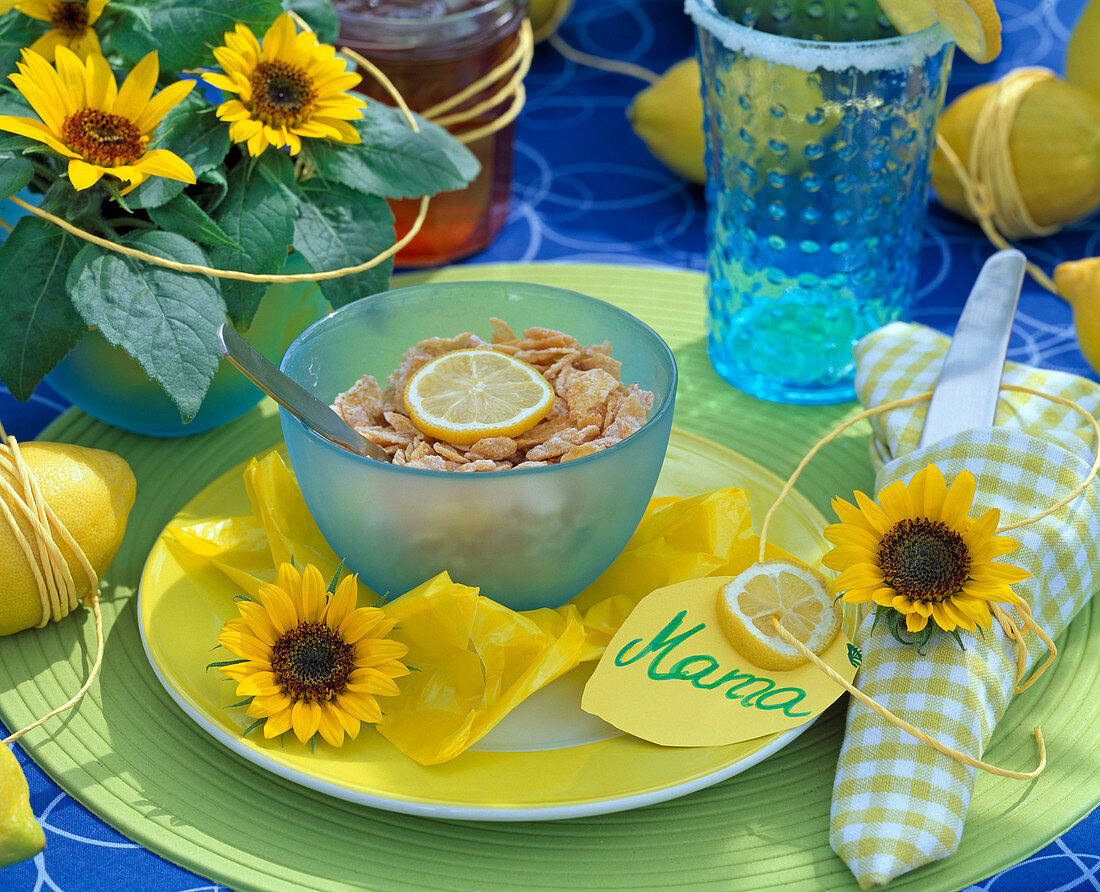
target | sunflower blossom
x=917, y=555
x=288, y=87
x=312, y=662
x=72, y=22
x=100, y=127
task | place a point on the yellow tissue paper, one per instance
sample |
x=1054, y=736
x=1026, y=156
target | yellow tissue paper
x=475, y=659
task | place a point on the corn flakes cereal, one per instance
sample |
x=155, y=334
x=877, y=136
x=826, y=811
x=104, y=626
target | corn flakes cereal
x=592, y=408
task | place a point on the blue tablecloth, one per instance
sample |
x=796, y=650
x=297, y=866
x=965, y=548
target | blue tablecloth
x=587, y=190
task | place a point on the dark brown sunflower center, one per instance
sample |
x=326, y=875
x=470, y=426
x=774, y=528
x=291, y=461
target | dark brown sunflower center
x=924, y=560
x=70, y=17
x=282, y=93
x=312, y=662
x=102, y=138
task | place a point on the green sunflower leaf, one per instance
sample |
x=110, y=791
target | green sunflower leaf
x=166, y=320
x=183, y=216
x=40, y=324
x=15, y=173
x=393, y=161
x=339, y=227
x=196, y=27
x=257, y=213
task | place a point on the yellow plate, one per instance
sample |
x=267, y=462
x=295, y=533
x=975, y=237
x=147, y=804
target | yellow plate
x=547, y=759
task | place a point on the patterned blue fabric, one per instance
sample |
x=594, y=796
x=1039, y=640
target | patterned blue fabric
x=588, y=191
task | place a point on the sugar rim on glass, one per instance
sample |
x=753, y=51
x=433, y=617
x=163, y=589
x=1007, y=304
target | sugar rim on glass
x=809, y=55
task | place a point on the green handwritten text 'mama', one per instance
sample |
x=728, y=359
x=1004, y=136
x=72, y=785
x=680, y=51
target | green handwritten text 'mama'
x=705, y=672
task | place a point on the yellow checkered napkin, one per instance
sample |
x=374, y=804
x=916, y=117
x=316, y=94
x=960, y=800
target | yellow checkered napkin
x=897, y=803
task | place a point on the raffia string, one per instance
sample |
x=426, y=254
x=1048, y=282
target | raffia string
x=1015, y=630
x=988, y=176
x=57, y=590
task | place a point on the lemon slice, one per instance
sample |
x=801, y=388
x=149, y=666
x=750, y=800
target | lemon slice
x=974, y=24
x=466, y=395
x=794, y=593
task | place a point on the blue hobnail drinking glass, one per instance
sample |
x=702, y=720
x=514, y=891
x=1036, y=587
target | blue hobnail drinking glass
x=820, y=121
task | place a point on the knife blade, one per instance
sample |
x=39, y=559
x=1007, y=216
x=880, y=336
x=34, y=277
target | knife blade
x=966, y=391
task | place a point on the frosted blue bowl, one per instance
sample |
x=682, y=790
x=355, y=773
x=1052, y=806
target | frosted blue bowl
x=527, y=538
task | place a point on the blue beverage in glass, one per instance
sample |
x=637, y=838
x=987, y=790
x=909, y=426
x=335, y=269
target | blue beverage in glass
x=820, y=122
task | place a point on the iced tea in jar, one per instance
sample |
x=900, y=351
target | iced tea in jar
x=431, y=50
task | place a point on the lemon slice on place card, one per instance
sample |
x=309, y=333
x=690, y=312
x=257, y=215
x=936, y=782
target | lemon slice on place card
x=794, y=593
x=466, y=395
x=974, y=24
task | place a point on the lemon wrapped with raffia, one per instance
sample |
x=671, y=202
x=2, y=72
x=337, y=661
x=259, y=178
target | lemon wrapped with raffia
x=1022, y=153
x=65, y=509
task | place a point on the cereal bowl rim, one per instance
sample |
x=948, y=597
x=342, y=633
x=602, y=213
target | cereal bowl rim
x=666, y=404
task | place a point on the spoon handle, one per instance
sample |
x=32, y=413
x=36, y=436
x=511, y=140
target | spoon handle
x=298, y=401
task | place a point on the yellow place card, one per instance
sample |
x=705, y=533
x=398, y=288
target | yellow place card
x=672, y=677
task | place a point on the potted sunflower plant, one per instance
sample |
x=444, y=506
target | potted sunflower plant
x=178, y=163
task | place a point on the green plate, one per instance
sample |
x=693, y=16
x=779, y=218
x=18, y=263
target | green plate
x=134, y=758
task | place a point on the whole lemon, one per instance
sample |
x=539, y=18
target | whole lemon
x=668, y=117
x=91, y=491
x=1078, y=281
x=21, y=837
x=1082, y=58
x=545, y=15
x=1054, y=144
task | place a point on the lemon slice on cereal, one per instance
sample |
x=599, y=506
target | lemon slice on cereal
x=974, y=24
x=465, y=395
x=797, y=595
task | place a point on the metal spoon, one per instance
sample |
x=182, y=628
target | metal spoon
x=298, y=401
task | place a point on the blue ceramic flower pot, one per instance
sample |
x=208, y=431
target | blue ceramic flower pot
x=108, y=384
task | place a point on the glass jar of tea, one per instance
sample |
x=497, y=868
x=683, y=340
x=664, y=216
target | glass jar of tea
x=432, y=49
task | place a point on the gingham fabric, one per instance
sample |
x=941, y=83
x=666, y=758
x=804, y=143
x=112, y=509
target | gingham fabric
x=897, y=803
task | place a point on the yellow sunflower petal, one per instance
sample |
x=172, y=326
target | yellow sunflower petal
x=313, y=595
x=371, y=681
x=279, y=39
x=221, y=81
x=873, y=515
x=100, y=87
x=996, y=572
x=260, y=684
x=94, y=9
x=137, y=89
x=270, y=704
x=915, y=622
x=259, y=623
x=244, y=645
x=375, y=651
x=896, y=501
x=341, y=603
x=929, y=491
x=351, y=723
x=362, y=707
x=280, y=608
x=257, y=143
x=86, y=44
x=52, y=97
x=157, y=107
x=37, y=9
x=330, y=726
x=162, y=163
x=46, y=45
x=305, y=717
x=82, y=174
x=884, y=596
x=959, y=500
x=981, y=530
x=277, y=724
x=35, y=130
